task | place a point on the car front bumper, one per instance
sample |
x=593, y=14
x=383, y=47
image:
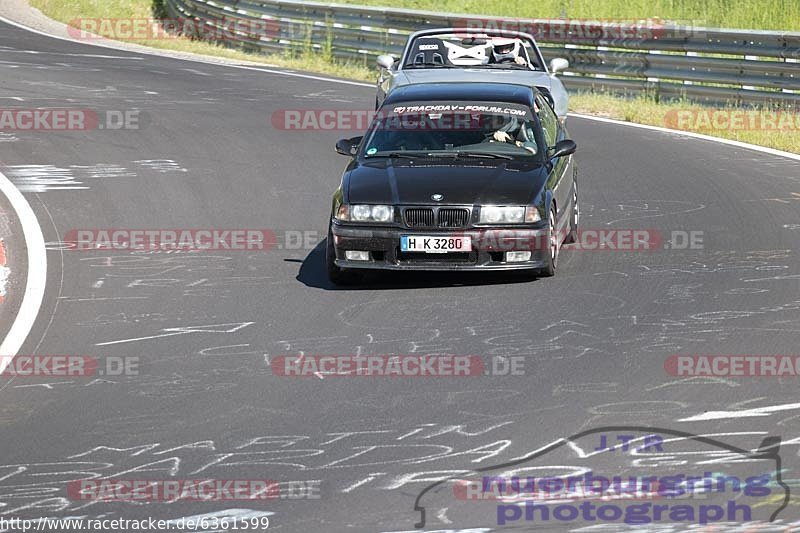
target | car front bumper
x=488, y=249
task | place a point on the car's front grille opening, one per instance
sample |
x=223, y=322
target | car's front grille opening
x=419, y=217
x=444, y=217
x=449, y=257
x=497, y=257
x=452, y=218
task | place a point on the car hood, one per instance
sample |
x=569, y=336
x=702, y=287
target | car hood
x=475, y=75
x=404, y=182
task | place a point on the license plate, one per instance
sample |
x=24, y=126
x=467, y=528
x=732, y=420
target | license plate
x=434, y=245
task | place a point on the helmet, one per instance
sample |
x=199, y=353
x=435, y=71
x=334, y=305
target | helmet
x=506, y=123
x=467, y=54
x=506, y=49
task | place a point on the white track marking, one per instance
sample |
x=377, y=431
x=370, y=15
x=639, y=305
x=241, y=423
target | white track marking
x=236, y=326
x=98, y=56
x=198, y=59
x=758, y=411
x=442, y=516
x=693, y=135
x=5, y=272
x=37, y=273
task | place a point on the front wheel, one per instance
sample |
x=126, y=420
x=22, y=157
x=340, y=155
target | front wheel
x=337, y=275
x=552, y=247
x=572, y=236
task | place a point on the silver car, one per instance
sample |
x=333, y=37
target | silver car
x=467, y=55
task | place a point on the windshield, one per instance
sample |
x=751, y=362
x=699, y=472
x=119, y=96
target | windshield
x=469, y=130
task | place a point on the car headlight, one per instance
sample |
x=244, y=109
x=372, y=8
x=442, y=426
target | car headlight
x=495, y=214
x=360, y=212
x=365, y=213
x=532, y=214
x=382, y=213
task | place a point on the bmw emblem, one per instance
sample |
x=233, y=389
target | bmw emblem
x=437, y=197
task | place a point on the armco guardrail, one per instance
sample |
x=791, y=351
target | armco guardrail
x=703, y=64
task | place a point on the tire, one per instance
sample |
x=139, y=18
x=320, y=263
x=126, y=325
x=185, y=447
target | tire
x=337, y=275
x=553, y=246
x=572, y=236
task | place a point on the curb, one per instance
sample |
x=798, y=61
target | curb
x=5, y=272
x=35, y=279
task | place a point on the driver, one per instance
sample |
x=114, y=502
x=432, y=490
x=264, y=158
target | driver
x=505, y=128
x=513, y=131
x=507, y=50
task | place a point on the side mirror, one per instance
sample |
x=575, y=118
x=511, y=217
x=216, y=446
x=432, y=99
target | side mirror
x=558, y=64
x=562, y=148
x=348, y=146
x=386, y=61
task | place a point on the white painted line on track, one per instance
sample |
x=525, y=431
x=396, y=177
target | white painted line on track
x=704, y=137
x=758, y=411
x=199, y=59
x=36, y=278
x=98, y=56
x=5, y=272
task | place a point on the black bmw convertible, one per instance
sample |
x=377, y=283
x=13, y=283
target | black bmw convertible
x=455, y=176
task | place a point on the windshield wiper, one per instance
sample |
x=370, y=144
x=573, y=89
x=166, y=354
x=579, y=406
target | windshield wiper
x=480, y=155
x=455, y=155
x=408, y=155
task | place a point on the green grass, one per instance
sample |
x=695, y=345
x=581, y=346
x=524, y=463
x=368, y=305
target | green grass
x=68, y=11
x=750, y=14
x=643, y=110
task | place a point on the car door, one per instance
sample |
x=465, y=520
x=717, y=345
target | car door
x=560, y=175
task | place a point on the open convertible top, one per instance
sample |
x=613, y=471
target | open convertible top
x=458, y=47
